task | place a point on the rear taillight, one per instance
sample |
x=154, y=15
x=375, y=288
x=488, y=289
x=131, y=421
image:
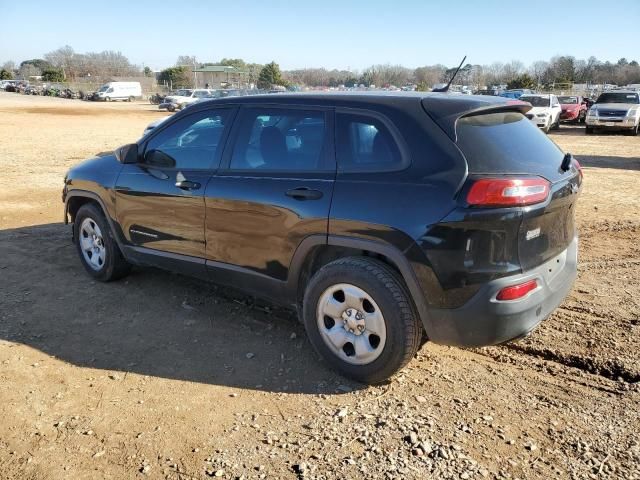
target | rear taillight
x=517, y=291
x=507, y=192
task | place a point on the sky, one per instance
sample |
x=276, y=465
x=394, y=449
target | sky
x=331, y=33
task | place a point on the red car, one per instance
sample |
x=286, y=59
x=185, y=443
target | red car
x=574, y=108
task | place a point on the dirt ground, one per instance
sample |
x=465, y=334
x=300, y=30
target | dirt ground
x=161, y=376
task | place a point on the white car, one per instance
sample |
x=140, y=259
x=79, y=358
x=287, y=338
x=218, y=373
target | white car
x=545, y=112
x=186, y=96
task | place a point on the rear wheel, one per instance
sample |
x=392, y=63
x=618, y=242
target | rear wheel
x=588, y=130
x=97, y=248
x=360, y=318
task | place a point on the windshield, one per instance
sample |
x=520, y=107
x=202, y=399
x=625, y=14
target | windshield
x=568, y=100
x=618, y=97
x=183, y=93
x=536, y=101
x=104, y=88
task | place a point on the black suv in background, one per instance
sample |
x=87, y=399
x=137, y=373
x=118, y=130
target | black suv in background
x=379, y=217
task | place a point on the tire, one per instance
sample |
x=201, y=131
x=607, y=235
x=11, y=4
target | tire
x=109, y=264
x=130, y=99
x=547, y=128
x=107, y=99
x=391, y=331
x=634, y=131
x=556, y=126
x=588, y=130
x=171, y=108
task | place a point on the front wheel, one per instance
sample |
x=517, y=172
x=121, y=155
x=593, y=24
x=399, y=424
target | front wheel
x=97, y=248
x=360, y=318
x=588, y=130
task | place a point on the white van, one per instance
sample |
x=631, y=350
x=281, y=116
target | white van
x=120, y=91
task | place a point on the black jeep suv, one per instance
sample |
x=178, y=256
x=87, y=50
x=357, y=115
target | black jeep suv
x=380, y=218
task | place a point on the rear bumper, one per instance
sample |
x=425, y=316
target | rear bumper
x=484, y=321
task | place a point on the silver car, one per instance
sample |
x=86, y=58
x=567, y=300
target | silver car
x=615, y=110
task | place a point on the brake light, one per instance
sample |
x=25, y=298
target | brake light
x=507, y=192
x=517, y=291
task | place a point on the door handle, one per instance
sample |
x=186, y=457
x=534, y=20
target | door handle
x=304, y=193
x=187, y=185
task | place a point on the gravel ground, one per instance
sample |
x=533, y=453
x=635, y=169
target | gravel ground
x=162, y=376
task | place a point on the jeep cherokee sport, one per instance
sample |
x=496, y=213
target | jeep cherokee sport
x=380, y=218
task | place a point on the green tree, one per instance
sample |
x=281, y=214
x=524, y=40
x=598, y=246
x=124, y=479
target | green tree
x=177, y=76
x=270, y=75
x=233, y=62
x=53, y=74
x=522, y=81
x=39, y=63
x=5, y=74
x=147, y=72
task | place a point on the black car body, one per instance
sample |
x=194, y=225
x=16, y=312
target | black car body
x=408, y=180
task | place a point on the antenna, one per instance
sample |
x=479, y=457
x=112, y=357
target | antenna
x=446, y=88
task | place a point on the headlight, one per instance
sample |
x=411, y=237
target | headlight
x=593, y=112
x=544, y=114
x=632, y=112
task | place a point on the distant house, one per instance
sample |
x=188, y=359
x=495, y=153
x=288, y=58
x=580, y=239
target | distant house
x=217, y=76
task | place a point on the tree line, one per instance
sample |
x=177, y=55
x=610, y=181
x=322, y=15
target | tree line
x=65, y=64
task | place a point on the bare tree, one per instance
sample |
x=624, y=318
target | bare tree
x=186, y=60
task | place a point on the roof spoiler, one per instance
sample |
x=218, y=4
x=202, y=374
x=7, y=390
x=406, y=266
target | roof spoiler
x=446, y=111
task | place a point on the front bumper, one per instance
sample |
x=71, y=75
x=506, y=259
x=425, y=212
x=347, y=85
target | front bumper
x=540, y=122
x=612, y=123
x=484, y=321
x=569, y=115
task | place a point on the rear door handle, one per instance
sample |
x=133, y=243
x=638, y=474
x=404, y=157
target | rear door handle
x=187, y=185
x=304, y=193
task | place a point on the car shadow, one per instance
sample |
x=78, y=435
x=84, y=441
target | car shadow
x=620, y=163
x=150, y=323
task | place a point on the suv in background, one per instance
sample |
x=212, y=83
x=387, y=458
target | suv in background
x=546, y=110
x=615, y=110
x=183, y=97
x=379, y=218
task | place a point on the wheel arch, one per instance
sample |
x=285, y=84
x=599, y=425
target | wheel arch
x=75, y=199
x=318, y=250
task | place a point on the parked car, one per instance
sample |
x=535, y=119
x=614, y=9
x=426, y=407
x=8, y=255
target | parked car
x=574, y=108
x=516, y=93
x=546, y=110
x=182, y=97
x=119, y=91
x=376, y=217
x=615, y=110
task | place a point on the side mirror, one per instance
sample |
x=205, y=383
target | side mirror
x=127, y=153
x=157, y=158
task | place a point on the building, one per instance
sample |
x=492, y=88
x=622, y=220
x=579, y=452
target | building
x=220, y=76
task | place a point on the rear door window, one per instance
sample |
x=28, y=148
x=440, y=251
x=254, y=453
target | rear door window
x=365, y=144
x=284, y=140
x=507, y=142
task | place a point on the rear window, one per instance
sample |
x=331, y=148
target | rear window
x=507, y=142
